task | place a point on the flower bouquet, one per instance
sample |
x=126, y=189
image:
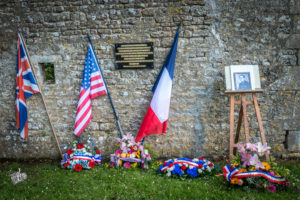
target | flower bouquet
x=248, y=168
x=187, y=167
x=81, y=156
x=130, y=154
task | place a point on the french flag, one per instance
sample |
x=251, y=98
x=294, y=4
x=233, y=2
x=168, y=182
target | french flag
x=156, y=119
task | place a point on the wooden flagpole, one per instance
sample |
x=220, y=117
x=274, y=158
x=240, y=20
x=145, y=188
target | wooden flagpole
x=112, y=105
x=33, y=70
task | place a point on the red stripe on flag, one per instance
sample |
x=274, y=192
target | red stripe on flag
x=98, y=85
x=94, y=78
x=102, y=92
x=83, y=116
x=83, y=127
x=151, y=125
x=82, y=103
x=25, y=64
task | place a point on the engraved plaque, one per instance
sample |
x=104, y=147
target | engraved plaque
x=134, y=55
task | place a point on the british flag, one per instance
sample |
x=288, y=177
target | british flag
x=92, y=86
x=26, y=86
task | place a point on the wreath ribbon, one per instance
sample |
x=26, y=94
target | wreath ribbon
x=234, y=173
x=67, y=158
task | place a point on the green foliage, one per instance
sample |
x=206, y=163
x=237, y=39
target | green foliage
x=48, y=181
x=280, y=169
x=154, y=155
x=49, y=72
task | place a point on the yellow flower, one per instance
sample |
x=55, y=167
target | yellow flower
x=277, y=175
x=138, y=152
x=120, y=163
x=123, y=155
x=128, y=155
x=158, y=162
x=234, y=181
x=138, y=156
x=266, y=165
x=243, y=170
x=235, y=164
x=106, y=165
x=252, y=168
x=134, y=164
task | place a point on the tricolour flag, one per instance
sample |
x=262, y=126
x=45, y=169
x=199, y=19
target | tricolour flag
x=156, y=118
x=26, y=86
x=92, y=86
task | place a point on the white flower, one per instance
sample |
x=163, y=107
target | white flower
x=208, y=168
x=146, y=152
x=195, y=159
x=168, y=173
x=191, y=166
x=199, y=171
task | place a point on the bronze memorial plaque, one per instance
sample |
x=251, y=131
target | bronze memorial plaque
x=134, y=55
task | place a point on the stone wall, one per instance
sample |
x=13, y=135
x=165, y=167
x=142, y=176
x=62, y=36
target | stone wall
x=214, y=34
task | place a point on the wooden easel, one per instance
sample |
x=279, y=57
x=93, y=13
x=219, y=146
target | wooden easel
x=243, y=115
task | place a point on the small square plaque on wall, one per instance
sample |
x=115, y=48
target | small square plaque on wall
x=134, y=55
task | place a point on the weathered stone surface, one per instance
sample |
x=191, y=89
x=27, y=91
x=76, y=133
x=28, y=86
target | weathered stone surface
x=293, y=41
x=214, y=34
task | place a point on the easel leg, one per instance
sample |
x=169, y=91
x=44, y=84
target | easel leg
x=246, y=126
x=261, y=128
x=238, y=129
x=231, y=127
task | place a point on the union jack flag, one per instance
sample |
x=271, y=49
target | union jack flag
x=92, y=86
x=26, y=86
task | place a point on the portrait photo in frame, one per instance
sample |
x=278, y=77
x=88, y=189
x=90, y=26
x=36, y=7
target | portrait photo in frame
x=242, y=77
x=242, y=80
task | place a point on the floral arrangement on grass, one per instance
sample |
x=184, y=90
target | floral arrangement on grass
x=187, y=167
x=250, y=169
x=81, y=156
x=130, y=154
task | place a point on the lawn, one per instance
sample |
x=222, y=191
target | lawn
x=48, y=181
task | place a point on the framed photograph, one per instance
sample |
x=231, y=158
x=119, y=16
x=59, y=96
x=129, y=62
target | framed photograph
x=242, y=80
x=242, y=77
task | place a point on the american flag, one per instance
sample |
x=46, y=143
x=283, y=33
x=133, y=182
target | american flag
x=92, y=85
x=26, y=86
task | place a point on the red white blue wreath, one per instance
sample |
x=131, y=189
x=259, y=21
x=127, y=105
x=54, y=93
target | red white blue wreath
x=187, y=167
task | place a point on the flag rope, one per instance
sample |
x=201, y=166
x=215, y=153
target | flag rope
x=110, y=100
x=37, y=82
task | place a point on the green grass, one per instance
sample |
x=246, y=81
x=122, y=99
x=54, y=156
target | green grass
x=48, y=181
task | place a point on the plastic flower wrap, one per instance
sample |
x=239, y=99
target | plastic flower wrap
x=187, y=167
x=81, y=156
x=250, y=168
x=130, y=154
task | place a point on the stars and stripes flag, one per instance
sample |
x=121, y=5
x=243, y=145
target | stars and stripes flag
x=156, y=118
x=26, y=86
x=92, y=86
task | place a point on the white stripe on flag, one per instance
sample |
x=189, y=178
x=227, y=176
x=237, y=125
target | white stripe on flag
x=160, y=103
x=95, y=74
x=82, y=98
x=82, y=123
x=99, y=89
x=83, y=109
x=29, y=84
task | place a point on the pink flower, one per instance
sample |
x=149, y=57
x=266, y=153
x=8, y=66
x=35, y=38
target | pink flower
x=131, y=151
x=127, y=165
x=271, y=188
x=272, y=173
x=118, y=152
x=256, y=162
x=241, y=147
x=262, y=149
x=245, y=157
x=251, y=147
